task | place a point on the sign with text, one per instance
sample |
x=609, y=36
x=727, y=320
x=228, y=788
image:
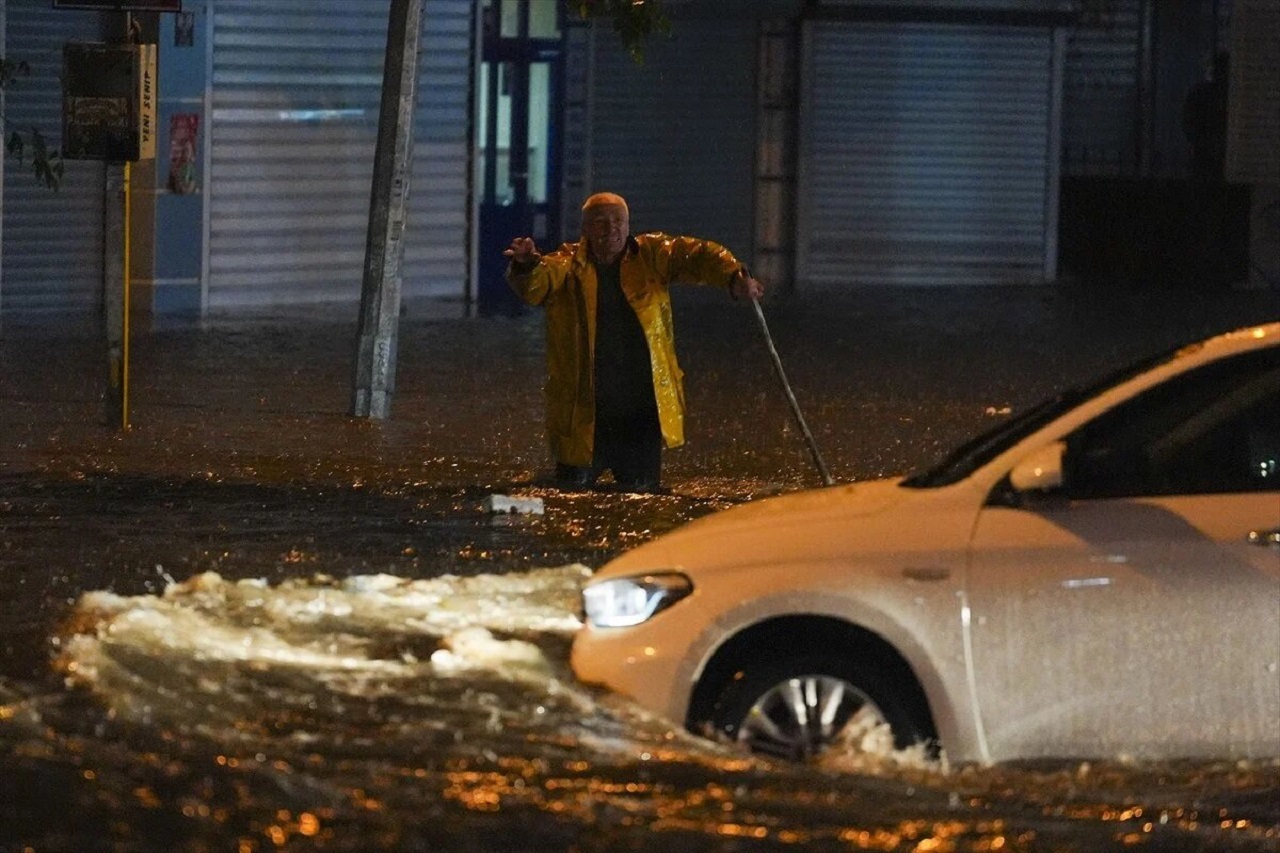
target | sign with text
x=108, y=102
x=121, y=5
x=147, y=101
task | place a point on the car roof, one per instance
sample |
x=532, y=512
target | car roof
x=1244, y=338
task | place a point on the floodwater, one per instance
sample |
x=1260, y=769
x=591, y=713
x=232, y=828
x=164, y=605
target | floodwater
x=251, y=622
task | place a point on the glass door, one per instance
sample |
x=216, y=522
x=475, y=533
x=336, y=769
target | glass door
x=517, y=138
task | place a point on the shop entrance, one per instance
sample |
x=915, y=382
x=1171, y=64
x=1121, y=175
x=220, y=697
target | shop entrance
x=518, y=138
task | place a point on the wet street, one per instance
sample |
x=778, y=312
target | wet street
x=251, y=622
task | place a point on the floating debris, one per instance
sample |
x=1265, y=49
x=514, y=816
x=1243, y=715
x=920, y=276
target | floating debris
x=510, y=505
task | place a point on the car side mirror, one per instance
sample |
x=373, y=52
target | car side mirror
x=1041, y=471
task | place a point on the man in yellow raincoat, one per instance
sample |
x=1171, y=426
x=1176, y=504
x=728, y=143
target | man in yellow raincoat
x=615, y=393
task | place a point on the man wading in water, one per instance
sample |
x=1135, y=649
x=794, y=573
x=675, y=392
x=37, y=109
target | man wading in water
x=614, y=390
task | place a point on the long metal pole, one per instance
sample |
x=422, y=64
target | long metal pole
x=375, y=368
x=126, y=300
x=115, y=294
x=791, y=397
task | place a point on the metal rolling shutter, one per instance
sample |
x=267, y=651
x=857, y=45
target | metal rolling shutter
x=53, y=242
x=296, y=86
x=437, y=253
x=676, y=134
x=1100, y=97
x=1253, y=124
x=924, y=154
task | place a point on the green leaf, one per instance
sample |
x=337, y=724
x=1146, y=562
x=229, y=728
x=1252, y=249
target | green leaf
x=48, y=166
x=635, y=21
x=10, y=70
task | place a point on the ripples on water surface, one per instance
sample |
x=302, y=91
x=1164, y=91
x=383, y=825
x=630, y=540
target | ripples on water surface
x=420, y=698
x=374, y=712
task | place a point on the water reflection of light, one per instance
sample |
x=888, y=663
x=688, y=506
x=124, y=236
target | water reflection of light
x=1083, y=583
x=596, y=761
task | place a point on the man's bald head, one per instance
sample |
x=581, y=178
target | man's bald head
x=603, y=199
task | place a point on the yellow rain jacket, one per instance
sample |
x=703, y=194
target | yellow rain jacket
x=564, y=282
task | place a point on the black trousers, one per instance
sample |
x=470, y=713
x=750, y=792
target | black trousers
x=629, y=447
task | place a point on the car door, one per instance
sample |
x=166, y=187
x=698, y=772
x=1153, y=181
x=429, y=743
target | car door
x=1135, y=610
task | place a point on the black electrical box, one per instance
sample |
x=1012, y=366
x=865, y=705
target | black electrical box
x=100, y=109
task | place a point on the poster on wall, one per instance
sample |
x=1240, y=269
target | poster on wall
x=184, y=29
x=183, y=131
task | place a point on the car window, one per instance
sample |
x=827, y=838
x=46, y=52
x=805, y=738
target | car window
x=981, y=449
x=1212, y=430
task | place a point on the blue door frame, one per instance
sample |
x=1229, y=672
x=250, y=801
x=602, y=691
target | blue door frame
x=520, y=90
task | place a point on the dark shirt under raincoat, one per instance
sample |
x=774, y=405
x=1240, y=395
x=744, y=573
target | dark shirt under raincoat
x=564, y=283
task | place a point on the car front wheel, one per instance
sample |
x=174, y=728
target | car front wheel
x=795, y=710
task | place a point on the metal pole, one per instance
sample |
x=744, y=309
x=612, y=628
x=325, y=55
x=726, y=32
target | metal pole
x=791, y=397
x=127, y=297
x=117, y=239
x=374, y=381
x=114, y=295
x=1146, y=88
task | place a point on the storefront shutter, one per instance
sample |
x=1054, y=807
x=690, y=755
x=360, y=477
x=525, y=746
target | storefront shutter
x=1100, y=93
x=53, y=246
x=1253, y=126
x=296, y=87
x=926, y=154
x=676, y=134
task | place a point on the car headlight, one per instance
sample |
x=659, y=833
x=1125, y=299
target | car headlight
x=622, y=602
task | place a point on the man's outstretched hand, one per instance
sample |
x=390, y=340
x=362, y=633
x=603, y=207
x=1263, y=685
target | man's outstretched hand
x=746, y=286
x=522, y=250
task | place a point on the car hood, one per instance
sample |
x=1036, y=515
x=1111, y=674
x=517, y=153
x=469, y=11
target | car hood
x=802, y=527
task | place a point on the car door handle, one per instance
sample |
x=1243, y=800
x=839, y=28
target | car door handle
x=1265, y=538
x=926, y=573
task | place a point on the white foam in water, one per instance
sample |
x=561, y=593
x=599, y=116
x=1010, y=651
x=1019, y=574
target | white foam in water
x=325, y=625
x=866, y=746
x=327, y=628
x=476, y=647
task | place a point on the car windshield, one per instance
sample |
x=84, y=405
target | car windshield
x=981, y=449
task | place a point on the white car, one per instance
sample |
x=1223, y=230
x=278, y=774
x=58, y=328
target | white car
x=1099, y=576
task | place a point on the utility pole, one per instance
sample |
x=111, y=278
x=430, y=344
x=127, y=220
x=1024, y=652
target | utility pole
x=116, y=292
x=375, y=367
x=116, y=273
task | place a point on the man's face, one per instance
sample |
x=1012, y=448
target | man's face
x=606, y=227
